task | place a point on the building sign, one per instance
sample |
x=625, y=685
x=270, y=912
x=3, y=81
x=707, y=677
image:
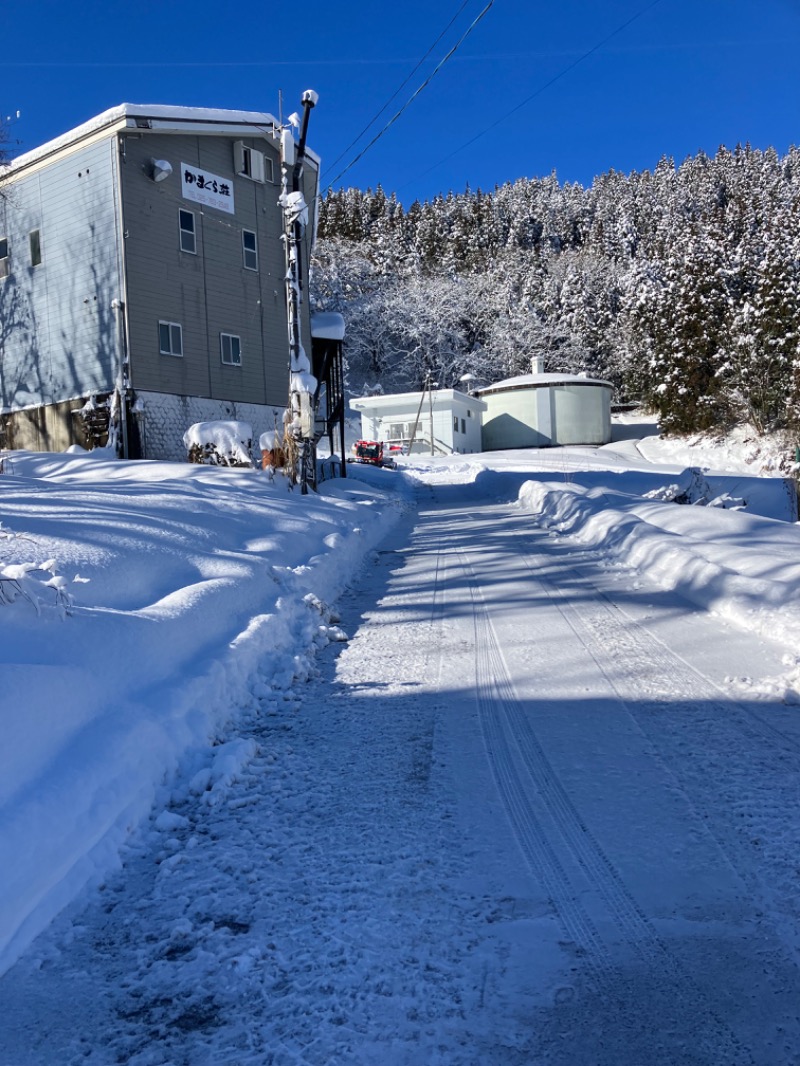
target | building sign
x=205, y=188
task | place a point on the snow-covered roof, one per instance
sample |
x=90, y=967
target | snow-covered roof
x=327, y=325
x=401, y=399
x=164, y=117
x=537, y=381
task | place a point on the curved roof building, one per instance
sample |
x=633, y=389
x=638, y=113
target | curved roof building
x=544, y=410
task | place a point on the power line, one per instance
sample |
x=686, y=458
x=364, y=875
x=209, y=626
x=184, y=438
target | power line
x=413, y=97
x=205, y=64
x=538, y=92
x=399, y=89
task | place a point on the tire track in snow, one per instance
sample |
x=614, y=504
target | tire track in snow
x=613, y=635
x=495, y=695
x=530, y=835
x=588, y=854
x=564, y=854
x=694, y=717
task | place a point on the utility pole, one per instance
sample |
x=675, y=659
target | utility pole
x=299, y=433
x=430, y=409
x=425, y=388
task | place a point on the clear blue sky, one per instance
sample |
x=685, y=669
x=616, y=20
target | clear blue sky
x=684, y=75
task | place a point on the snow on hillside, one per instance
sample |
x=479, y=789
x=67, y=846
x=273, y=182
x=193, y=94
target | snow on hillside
x=196, y=592
x=741, y=450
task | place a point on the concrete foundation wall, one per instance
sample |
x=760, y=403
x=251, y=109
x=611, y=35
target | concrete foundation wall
x=163, y=419
x=157, y=425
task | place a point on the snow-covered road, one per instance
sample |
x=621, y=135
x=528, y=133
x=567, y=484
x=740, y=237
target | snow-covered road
x=519, y=818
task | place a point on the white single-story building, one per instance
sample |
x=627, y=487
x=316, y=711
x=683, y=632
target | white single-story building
x=441, y=421
x=545, y=410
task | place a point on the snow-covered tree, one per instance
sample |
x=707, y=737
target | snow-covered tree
x=680, y=284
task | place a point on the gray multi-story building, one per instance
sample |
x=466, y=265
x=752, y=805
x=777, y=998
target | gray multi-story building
x=142, y=279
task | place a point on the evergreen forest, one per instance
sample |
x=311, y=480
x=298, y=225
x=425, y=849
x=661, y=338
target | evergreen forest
x=681, y=286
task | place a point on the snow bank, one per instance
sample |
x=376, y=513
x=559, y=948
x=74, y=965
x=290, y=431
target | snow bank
x=190, y=586
x=190, y=591
x=743, y=567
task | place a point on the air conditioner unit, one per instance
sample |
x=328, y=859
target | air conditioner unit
x=248, y=162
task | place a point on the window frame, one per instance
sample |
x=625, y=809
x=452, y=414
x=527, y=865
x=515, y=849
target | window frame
x=250, y=163
x=230, y=337
x=182, y=231
x=252, y=251
x=4, y=259
x=170, y=327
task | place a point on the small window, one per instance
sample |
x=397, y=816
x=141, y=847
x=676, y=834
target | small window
x=3, y=257
x=463, y=425
x=248, y=162
x=188, y=235
x=231, y=349
x=249, y=249
x=469, y=414
x=269, y=170
x=455, y=424
x=36, y=247
x=170, y=338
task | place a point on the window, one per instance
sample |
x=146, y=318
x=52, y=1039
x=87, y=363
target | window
x=249, y=163
x=188, y=235
x=463, y=425
x=36, y=247
x=170, y=338
x=455, y=424
x=249, y=249
x=231, y=349
x=3, y=257
x=399, y=430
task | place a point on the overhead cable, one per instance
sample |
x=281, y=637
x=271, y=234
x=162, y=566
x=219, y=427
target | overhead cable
x=539, y=91
x=398, y=90
x=413, y=97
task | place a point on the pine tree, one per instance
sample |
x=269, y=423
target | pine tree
x=680, y=284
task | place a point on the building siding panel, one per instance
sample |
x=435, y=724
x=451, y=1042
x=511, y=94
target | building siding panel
x=58, y=331
x=208, y=293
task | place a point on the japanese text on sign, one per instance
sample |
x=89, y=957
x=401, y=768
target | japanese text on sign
x=205, y=188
